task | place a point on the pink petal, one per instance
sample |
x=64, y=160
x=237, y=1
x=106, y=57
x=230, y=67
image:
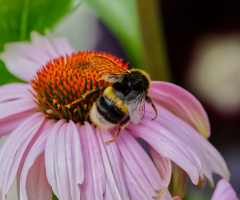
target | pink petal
x=211, y=159
x=86, y=188
x=44, y=44
x=54, y=46
x=143, y=179
x=15, y=100
x=168, y=148
x=135, y=191
x=181, y=103
x=9, y=123
x=63, y=158
x=19, y=58
x=174, y=139
x=17, y=106
x=37, y=185
x=163, y=165
x=13, y=149
x=113, y=166
x=224, y=191
x=108, y=192
x=34, y=189
x=94, y=183
x=23, y=59
x=62, y=46
x=13, y=91
x=50, y=151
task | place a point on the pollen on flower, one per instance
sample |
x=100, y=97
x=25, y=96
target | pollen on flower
x=64, y=80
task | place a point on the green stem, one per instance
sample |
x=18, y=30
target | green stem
x=178, y=184
x=153, y=40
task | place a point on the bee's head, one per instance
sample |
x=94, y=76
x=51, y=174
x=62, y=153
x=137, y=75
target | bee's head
x=138, y=80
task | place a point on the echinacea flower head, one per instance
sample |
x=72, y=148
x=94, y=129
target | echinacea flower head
x=55, y=148
x=62, y=82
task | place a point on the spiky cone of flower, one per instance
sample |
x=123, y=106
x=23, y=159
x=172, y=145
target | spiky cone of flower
x=50, y=148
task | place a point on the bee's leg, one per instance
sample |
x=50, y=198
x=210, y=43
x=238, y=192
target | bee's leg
x=122, y=125
x=149, y=100
x=85, y=96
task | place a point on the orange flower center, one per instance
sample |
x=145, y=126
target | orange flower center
x=65, y=80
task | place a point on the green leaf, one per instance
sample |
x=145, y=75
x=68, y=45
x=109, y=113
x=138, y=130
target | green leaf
x=122, y=19
x=18, y=18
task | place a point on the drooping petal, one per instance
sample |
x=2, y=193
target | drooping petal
x=172, y=138
x=211, y=159
x=143, y=179
x=108, y=192
x=94, y=185
x=86, y=188
x=169, y=149
x=50, y=151
x=13, y=149
x=135, y=191
x=63, y=158
x=181, y=103
x=170, y=172
x=163, y=165
x=224, y=191
x=74, y=157
x=23, y=59
x=31, y=184
x=113, y=166
x=37, y=185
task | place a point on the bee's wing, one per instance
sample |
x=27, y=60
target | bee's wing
x=109, y=70
x=135, y=102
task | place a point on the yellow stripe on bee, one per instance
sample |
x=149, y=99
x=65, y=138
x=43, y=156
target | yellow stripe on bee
x=110, y=94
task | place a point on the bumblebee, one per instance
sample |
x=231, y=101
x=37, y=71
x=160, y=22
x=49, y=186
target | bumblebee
x=123, y=100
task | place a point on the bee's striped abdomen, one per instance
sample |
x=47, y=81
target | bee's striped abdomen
x=108, y=110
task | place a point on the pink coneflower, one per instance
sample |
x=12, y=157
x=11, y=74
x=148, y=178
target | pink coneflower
x=53, y=148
